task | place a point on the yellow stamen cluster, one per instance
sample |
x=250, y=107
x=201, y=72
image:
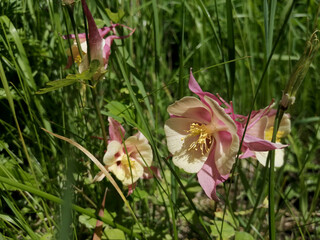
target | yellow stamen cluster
x=78, y=59
x=268, y=134
x=205, y=137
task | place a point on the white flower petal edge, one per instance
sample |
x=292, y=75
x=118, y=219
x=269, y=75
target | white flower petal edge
x=278, y=160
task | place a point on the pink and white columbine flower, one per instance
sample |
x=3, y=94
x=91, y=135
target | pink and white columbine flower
x=266, y=131
x=256, y=141
x=128, y=159
x=100, y=48
x=202, y=139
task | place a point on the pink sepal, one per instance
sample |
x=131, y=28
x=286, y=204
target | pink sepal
x=209, y=177
x=258, y=144
x=116, y=131
x=155, y=172
x=131, y=188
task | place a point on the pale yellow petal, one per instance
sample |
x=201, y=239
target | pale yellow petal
x=178, y=144
x=262, y=157
x=285, y=125
x=114, y=147
x=278, y=161
x=136, y=171
x=139, y=149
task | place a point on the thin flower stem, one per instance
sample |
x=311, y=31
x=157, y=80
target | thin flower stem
x=101, y=121
x=70, y=11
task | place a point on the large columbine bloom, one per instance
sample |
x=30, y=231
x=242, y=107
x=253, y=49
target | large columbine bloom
x=128, y=159
x=99, y=47
x=203, y=139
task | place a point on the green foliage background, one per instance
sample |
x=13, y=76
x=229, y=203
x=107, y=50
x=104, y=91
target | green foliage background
x=46, y=189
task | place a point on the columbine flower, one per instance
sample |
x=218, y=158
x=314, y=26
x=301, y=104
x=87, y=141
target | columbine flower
x=202, y=138
x=283, y=131
x=256, y=142
x=99, y=47
x=128, y=160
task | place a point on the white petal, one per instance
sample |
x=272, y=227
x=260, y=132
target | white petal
x=139, y=149
x=262, y=157
x=279, y=157
x=178, y=144
x=114, y=147
x=278, y=161
x=125, y=172
x=285, y=125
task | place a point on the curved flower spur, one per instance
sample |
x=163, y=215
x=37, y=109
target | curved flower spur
x=100, y=48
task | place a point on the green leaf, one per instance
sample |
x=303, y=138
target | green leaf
x=140, y=194
x=115, y=17
x=8, y=167
x=117, y=110
x=55, y=85
x=114, y=234
x=3, y=145
x=243, y=236
x=227, y=217
x=87, y=74
x=71, y=78
x=227, y=231
x=90, y=222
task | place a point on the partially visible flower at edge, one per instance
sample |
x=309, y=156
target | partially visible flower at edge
x=100, y=48
x=283, y=131
x=128, y=159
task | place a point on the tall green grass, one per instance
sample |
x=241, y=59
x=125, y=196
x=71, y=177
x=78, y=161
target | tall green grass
x=244, y=50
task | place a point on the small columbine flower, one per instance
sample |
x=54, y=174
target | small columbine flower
x=283, y=131
x=99, y=47
x=203, y=139
x=256, y=142
x=128, y=159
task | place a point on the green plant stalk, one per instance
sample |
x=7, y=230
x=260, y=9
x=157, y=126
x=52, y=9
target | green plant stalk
x=11, y=104
x=251, y=109
x=231, y=48
x=77, y=208
x=100, y=117
x=73, y=23
x=93, y=89
x=146, y=130
x=271, y=209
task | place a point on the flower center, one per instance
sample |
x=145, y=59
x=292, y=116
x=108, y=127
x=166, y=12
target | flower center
x=268, y=134
x=204, y=140
x=78, y=59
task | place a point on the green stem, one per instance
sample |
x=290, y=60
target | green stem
x=100, y=117
x=70, y=11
